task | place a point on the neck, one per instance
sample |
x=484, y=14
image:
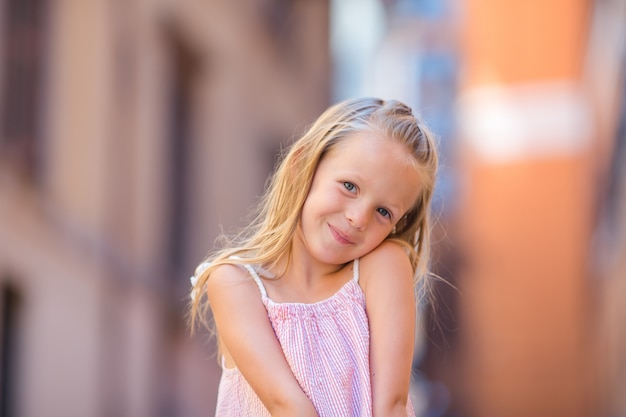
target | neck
x=299, y=264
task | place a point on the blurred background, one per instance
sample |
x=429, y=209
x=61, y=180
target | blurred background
x=133, y=131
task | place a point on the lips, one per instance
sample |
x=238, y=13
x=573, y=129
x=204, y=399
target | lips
x=340, y=237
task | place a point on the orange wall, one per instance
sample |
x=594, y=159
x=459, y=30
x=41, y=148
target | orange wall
x=524, y=226
x=523, y=306
x=514, y=41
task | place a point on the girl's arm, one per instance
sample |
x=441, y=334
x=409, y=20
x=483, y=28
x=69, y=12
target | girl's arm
x=245, y=330
x=390, y=303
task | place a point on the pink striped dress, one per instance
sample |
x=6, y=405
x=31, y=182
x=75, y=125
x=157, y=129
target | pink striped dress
x=327, y=347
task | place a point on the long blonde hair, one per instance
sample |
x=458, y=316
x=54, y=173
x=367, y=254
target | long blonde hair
x=267, y=239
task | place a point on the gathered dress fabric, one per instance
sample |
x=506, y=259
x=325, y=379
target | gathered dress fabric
x=327, y=347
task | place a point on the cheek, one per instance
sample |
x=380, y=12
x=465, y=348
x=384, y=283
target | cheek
x=322, y=200
x=377, y=236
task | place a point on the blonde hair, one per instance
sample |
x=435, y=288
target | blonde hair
x=269, y=235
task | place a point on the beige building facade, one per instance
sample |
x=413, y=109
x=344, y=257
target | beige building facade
x=131, y=130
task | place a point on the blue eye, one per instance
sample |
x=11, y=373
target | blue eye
x=349, y=186
x=384, y=212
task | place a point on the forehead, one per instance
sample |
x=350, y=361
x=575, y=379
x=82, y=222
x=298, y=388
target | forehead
x=373, y=147
x=385, y=166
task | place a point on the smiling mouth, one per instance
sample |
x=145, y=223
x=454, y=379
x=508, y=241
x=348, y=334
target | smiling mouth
x=340, y=237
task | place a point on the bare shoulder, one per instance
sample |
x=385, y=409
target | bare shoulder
x=388, y=263
x=388, y=256
x=229, y=277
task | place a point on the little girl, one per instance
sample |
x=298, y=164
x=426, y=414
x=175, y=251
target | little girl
x=314, y=301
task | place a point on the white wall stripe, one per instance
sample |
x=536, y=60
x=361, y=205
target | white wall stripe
x=507, y=123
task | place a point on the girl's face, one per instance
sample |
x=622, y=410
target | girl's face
x=361, y=189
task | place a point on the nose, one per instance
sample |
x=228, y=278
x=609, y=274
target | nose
x=357, y=216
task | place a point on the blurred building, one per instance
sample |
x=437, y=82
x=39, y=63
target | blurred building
x=609, y=239
x=538, y=113
x=129, y=131
x=527, y=99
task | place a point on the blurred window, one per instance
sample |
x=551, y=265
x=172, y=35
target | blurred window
x=185, y=67
x=437, y=74
x=10, y=303
x=21, y=50
x=423, y=8
x=617, y=172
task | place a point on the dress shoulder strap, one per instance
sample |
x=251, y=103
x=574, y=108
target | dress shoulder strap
x=255, y=275
x=257, y=279
x=201, y=268
x=355, y=270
